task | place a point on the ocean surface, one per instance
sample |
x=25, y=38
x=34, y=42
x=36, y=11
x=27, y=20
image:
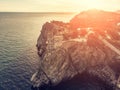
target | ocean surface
x=18, y=53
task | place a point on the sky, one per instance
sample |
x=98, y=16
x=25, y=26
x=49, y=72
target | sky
x=57, y=5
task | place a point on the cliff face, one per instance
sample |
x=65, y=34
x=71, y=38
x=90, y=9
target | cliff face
x=70, y=49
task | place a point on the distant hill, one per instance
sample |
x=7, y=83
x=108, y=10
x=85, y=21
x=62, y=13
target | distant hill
x=96, y=19
x=118, y=11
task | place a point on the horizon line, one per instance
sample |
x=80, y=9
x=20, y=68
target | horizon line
x=55, y=11
x=34, y=12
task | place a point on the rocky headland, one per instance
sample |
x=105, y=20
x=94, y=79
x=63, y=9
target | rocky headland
x=88, y=46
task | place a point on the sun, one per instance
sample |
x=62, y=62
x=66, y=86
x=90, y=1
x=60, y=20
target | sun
x=97, y=4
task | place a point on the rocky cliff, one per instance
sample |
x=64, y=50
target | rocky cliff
x=89, y=44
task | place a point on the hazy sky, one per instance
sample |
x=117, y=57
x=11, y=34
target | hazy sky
x=57, y=5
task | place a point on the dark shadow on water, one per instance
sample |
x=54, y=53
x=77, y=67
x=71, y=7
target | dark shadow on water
x=79, y=82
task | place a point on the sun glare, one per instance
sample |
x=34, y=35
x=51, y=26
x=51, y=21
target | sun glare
x=97, y=4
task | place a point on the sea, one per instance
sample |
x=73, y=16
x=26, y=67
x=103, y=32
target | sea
x=18, y=54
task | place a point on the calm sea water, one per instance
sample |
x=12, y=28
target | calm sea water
x=18, y=55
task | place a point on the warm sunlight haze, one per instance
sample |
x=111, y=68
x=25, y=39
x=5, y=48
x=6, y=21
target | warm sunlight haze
x=97, y=4
x=57, y=5
x=59, y=44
